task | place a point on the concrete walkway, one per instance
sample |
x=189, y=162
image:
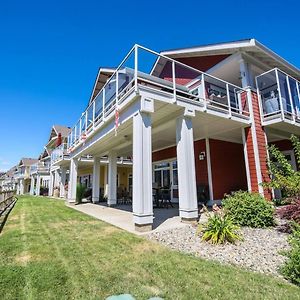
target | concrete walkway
x=121, y=216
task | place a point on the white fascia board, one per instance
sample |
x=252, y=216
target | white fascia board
x=276, y=57
x=211, y=48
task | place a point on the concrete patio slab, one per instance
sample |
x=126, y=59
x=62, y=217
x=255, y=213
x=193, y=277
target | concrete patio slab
x=121, y=216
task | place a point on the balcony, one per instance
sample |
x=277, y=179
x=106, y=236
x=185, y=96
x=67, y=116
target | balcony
x=279, y=98
x=145, y=71
x=39, y=168
x=59, y=153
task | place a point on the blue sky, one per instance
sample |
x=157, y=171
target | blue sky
x=50, y=51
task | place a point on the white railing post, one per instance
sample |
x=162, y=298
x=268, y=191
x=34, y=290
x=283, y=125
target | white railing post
x=298, y=92
x=203, y=91
x=174, y=80
x=290, y=96
x=136, y=68
x=117, y=88
x=228, y=100
x=80, y=126
x=94, y=111
x=103, y=106
x=75, y=134
x=279, y=94
x=86, y=120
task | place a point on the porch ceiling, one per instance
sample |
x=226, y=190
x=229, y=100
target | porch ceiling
x=164, y=131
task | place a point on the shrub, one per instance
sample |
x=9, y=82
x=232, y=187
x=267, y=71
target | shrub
x=282, y=174
x=290, y=211
x=249, y=209
x=291, y=268
x=219, y=229
x=80, y=191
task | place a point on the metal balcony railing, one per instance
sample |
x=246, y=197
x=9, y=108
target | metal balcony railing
x=144, y=68
x=279, y=96
x=59, y=153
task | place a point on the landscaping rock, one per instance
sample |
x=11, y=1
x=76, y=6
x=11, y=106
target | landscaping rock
x=260, y=250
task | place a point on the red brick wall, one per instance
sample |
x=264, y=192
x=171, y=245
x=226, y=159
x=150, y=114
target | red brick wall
x=228, y=167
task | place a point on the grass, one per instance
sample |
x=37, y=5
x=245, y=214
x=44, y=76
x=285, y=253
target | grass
x=50, y=251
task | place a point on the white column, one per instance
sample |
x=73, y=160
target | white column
x=62, y=182
x=112, y=179
x=51, y=182
x=105, y=181
x=56, y=178
x=32, y=186
x=22, y=187
x=38, y=185
x=96, y=180
x=209, y=170
x=188, y=204
x=73, y=180
x=142, y=202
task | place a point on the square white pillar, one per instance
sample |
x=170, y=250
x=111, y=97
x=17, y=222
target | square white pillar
x=32, y=186
x=51, y=183
x=105, y=181
x=96, y=180
x=38, y=185
x=188, y=204
x=62, y=182
x=22, y=187
x=142, y=202
x=73, y=180
x=112, y=179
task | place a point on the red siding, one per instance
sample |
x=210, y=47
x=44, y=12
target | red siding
x=228, y=167
x=262, y=150
x=185, y=75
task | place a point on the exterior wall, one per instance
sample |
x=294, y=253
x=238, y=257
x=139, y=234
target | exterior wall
x=184, y=75
x=227, y=174
x=257, y=151
x=122, y=172
x=228, y=167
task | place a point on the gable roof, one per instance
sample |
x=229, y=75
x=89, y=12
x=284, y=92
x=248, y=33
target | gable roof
x=101, y=78
x=251, y=46
x=27, y=161
x=63, y=130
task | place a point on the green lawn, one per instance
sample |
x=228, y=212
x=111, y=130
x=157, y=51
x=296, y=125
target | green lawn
x=49, y=251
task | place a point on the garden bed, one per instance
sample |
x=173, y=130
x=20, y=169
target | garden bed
x=260, y=250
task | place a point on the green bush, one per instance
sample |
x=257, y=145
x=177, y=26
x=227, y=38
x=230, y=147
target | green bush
x=291, y=268
x=249, y=209
x=80, y=191
x=219, y=229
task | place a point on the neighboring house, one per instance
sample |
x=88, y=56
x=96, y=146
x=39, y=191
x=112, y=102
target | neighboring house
x=22, y=175
x=41, y=180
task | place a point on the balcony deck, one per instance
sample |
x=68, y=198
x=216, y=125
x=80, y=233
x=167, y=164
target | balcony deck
x=161, y=79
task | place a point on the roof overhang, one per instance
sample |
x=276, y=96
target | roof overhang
x=102, y=76
x=250, y=46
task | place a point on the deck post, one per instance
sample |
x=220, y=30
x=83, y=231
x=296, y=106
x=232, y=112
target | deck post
x=96, y=179
x=142, y=202
x=112, y=179
x=188, y=204
x=50, y=193
x=32, y=186
x=38, y=185
x=73, y=180
x=62, y=182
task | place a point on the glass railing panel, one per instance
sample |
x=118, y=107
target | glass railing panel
x=99, y=107
x=294, y=95
x=110, y=95
x=284, y=91
x=268, y=89
x=90, y=117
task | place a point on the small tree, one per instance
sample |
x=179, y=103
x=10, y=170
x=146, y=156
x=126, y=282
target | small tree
x=282, y=175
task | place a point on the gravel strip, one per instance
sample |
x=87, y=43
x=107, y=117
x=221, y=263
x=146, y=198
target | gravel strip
x=258, y=251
